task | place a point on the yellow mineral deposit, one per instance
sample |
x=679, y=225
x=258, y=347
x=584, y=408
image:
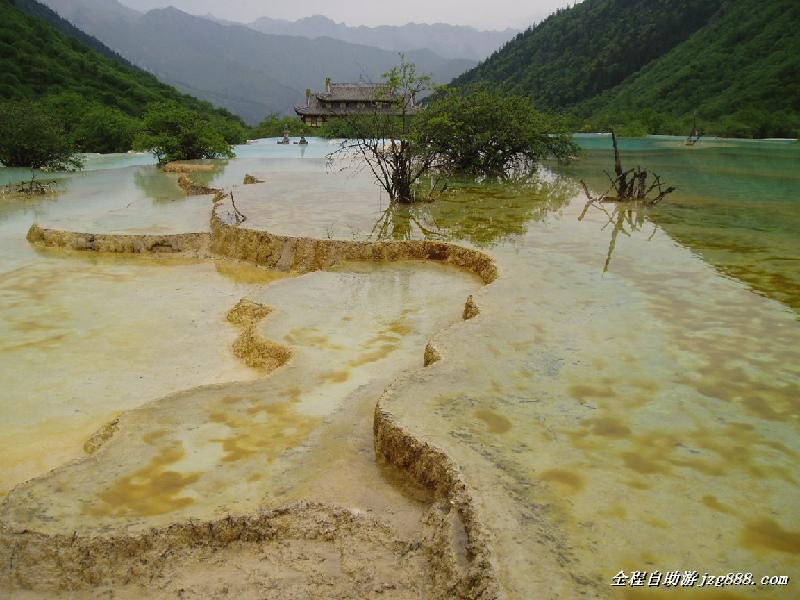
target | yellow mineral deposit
x=266, y=432
x=496, y=423
x=154, y=489
x=569, y=481
x=250, y=347
x=185, y=167
x=768, y=535
x=195, y=189
x=243, y=272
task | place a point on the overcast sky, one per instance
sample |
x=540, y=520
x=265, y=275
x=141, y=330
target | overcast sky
x=483, y=14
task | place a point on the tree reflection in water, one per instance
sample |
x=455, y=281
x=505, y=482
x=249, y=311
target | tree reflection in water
x=481, y=213
x=163, y=187
x=625, y=218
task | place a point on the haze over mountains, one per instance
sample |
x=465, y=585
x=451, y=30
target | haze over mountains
x=449, y=41
x=234, y=66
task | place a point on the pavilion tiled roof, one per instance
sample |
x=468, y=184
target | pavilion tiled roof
x=345, y=99
x=353, y=92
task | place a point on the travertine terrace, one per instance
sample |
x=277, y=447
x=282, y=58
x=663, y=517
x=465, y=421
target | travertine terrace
x=452, y=556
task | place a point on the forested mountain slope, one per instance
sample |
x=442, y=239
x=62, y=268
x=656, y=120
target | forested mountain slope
x=35, y=9
x=579, y=52
x=654, y=65
x=40, y=63
x=740, y=75
x=37, y=60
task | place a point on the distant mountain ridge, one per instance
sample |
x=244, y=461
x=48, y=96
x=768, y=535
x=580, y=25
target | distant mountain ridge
x=448, y=41
x=248, y=72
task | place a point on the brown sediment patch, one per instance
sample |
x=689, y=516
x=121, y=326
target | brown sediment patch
x=384, y=337
x=608, y=427
x=244, y=272
x=152, y=490
x=641, y=463
x=250, y=347
x=281, y=429
x=567, y=480
x=335, y=376
x=152, y=437
x=638, y=484
x=44, y=342
x=232, y=400
x=308, y=336
x=370, y=357
x=399, y=327
x=766, y=534
x=582, y=391
x=715, y=505
x=184, y=244
x=181, y=167
x=195, y=189
x=656, y=522
x=618, y=511
x=495, y=422
x=101, y=436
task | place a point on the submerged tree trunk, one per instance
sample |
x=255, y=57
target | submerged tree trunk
x=630, y=185
x=401, y=175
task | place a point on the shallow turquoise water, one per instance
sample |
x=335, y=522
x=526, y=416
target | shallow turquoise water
x=737, y=204
x=263, y=148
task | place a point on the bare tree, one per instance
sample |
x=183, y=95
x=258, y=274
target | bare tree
x=379, y=137
x=630, y=185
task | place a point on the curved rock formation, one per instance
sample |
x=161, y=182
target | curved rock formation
x=250, y=347
x=302, y=254
x=195, y=189
x=250, y=180
x=461, y=546
x=180, y=167
x=192, y=244
x=101, y=436
x=163, y=563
